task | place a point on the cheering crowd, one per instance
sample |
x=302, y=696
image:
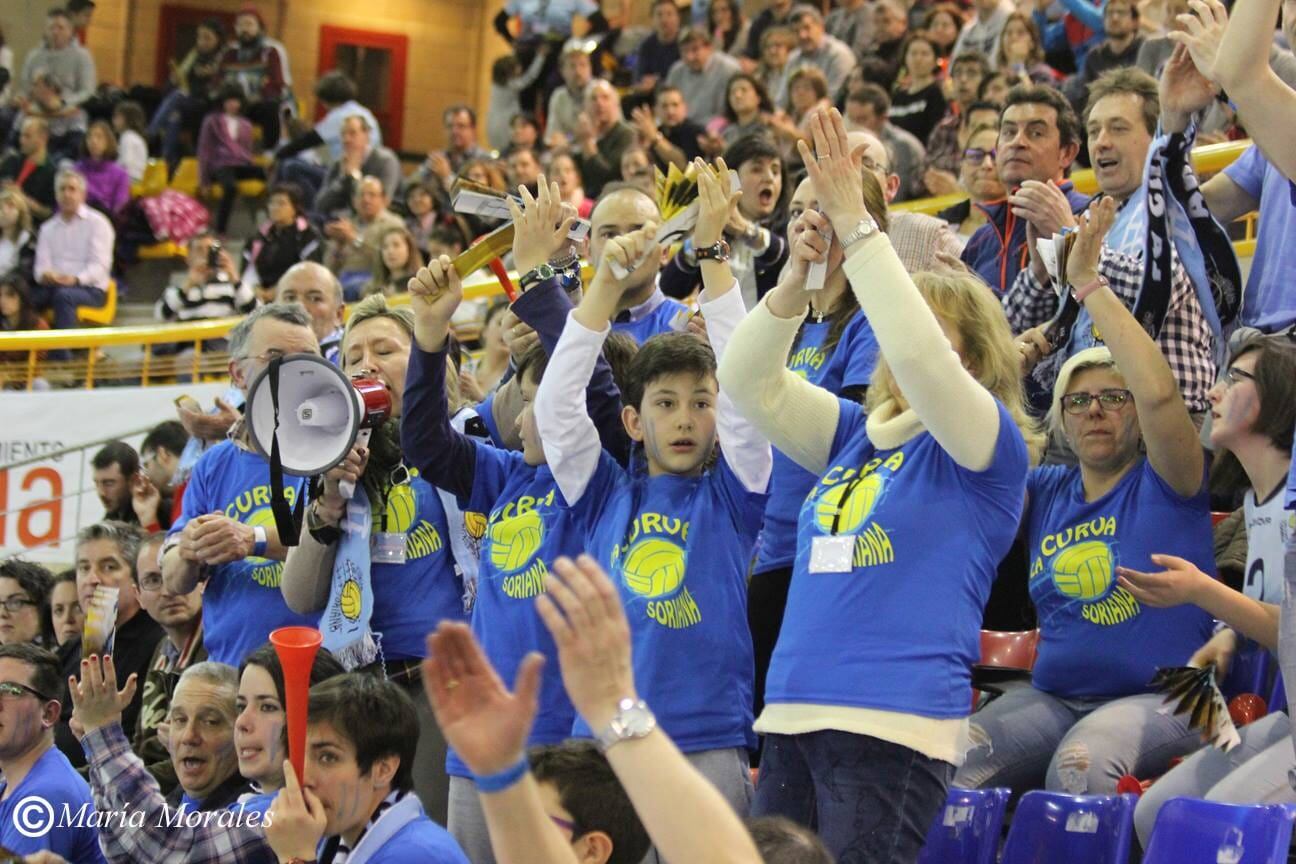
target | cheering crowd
x=743, y=496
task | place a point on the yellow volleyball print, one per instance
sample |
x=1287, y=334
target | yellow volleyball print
x=475, y=523
x=401, y=506
x=654, y=568
x=1083, y=571
x=350, y=599
x=515, y=541
x=855, y=510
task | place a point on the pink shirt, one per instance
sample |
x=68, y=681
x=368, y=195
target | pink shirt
x=81, y=246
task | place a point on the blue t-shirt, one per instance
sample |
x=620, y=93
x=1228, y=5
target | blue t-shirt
x=1291, y=483
x=678, y=549
x=848, y=364
x=329, y=127
x=901, y=630
x=421, y=840
x=526, y=526
x=1096, y=640
x=1268, y=301
x=659, y=320
x=411, y=598
x=241, y=602
x=258, y=803
x=53, y=780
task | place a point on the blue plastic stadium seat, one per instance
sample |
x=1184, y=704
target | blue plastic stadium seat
x=1188, y=831
x=1050, y=827
x=966, y=830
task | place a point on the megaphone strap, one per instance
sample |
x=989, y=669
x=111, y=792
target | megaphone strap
x=288, y=520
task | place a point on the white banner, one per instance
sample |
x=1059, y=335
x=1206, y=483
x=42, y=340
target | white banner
x=47, y=501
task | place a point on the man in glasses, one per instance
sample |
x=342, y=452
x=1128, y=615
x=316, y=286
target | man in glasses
x=39, y=781
x=106, y=554
x=226, y=533
x=180, y=616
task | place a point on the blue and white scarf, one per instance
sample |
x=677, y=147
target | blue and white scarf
x=345, y=622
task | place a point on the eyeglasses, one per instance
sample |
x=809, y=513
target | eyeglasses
x=1234, y=375
x=977, y=155
x=265, y=356
x=565, y=824
x=151, y=582
x=1110, y=400
x=14, y=690
x=14, y=604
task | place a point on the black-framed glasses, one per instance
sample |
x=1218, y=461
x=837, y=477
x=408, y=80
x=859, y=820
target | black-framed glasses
x=977, y=155
x=1234, y=375
x=150, y=582
x=13, y=690
x=1110, y=399
x=14, y=603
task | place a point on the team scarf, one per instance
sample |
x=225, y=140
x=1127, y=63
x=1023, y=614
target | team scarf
x=345, y=622
x=1176, y=211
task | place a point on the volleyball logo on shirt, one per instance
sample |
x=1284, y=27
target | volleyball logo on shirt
x=1084, y=571
x=653, y=564
x=400, y=510
x=654, y=568
x=515, y=541
x=1079, y=563
x=848, y=516
x=401, y=517
x=475, y=524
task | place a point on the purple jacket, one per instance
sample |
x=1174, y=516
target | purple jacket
x=216, y=149
x=107, y=185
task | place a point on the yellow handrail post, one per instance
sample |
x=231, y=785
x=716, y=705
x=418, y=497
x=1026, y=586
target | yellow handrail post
x=90, y=367
x=144, y=372
x=31, y=368
x=197, y=360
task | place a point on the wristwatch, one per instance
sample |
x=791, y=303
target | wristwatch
x=717, y=251
x=536, y=275
x=863, y=228
x=633, y=720
x=325, y=533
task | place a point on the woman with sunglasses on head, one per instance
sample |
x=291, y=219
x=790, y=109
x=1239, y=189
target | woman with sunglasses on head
x=1088, y=715
x=1253, y=411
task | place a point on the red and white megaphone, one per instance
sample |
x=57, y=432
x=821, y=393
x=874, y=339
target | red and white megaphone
x=296, y=647
x=321, y=414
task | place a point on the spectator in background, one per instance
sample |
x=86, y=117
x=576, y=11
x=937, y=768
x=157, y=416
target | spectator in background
x=807, y=92
x=702, y=75
x=601, y=136
x=67, y=618
x=132, y=149
x=494, y=360
x=67, y=123
x=33, y=768
x=256, y=68
x=747, y=105
x=568, y=101
x=523, y=170
x=225, y=151
x=17, y=239
x=62, y=57
x=318, y=291
x=777, y=14
x=851, y=23
x=918, y=103
x=566, y=173
x=399, y=259
x=660, y=49
x=868, y=109
x=943, y=23
x=890, y=26
x=24, y=603
x=524, y=131
x=729, y=27
x=107, y=554
x=107, y=183
x=815, y=47
x=980, y=179
x=637, y=169
x=945, y=144
x=460, y=124
x=777, y=46
x=160, y=453
x=670, y=137
x=1121, y=45
x=73, y=255
x=284, y=239
x=421, y=202
x=360, y=158
x=336, y=94
x=554, y=19
x=508, y=80
x=196, y=79
x=17, y=312
x=126, y=494
x=7, y=64
x=982, y=33
x=449, y=241
x=181, y=646
x=206, y=292
x=1021, y=53
x=80, y=13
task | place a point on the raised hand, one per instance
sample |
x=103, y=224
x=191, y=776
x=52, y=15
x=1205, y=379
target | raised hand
x=1203, y=31
x=295, y=822
x=1184, y=90
x=715, y=203
x=145, y=499
x=589, y=628
x=484, y=723
x=435, y=293
x=635, y=253
x=540, y=225
x=1043, y=205
x=214, y=538
x=835, y=171
x=96, y=701
x=1082, y=262
x=808, y=245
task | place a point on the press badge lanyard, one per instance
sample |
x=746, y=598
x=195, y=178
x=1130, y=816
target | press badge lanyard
x=388, y=547
x=835, y=552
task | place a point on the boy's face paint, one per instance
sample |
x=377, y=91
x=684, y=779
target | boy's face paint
x=676, y=422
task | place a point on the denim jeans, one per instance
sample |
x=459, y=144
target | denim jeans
x=64, y=300
x=870, y=800
x=1027, y=737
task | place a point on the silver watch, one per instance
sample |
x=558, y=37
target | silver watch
x=863, y=228
x=632, y=720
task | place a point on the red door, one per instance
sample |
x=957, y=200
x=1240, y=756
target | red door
x=376, y=63
x=177, y=32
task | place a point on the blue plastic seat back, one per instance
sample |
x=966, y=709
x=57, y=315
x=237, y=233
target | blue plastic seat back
x=1188, y=831
x=967, y=828
x=1251, y=671
x=1050, y=827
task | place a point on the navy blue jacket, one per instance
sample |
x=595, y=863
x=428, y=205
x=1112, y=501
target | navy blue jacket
x=998, y=262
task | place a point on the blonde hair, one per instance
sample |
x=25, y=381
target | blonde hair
x=24, y=212
x=375, y=306
x=965, y=302
x=1097, y=357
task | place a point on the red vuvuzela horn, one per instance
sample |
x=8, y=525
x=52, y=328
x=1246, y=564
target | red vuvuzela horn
x=296, y=647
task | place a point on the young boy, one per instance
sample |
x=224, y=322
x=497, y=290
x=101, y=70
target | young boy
x=524, y=522
x=358, y=796
x=692, y=648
